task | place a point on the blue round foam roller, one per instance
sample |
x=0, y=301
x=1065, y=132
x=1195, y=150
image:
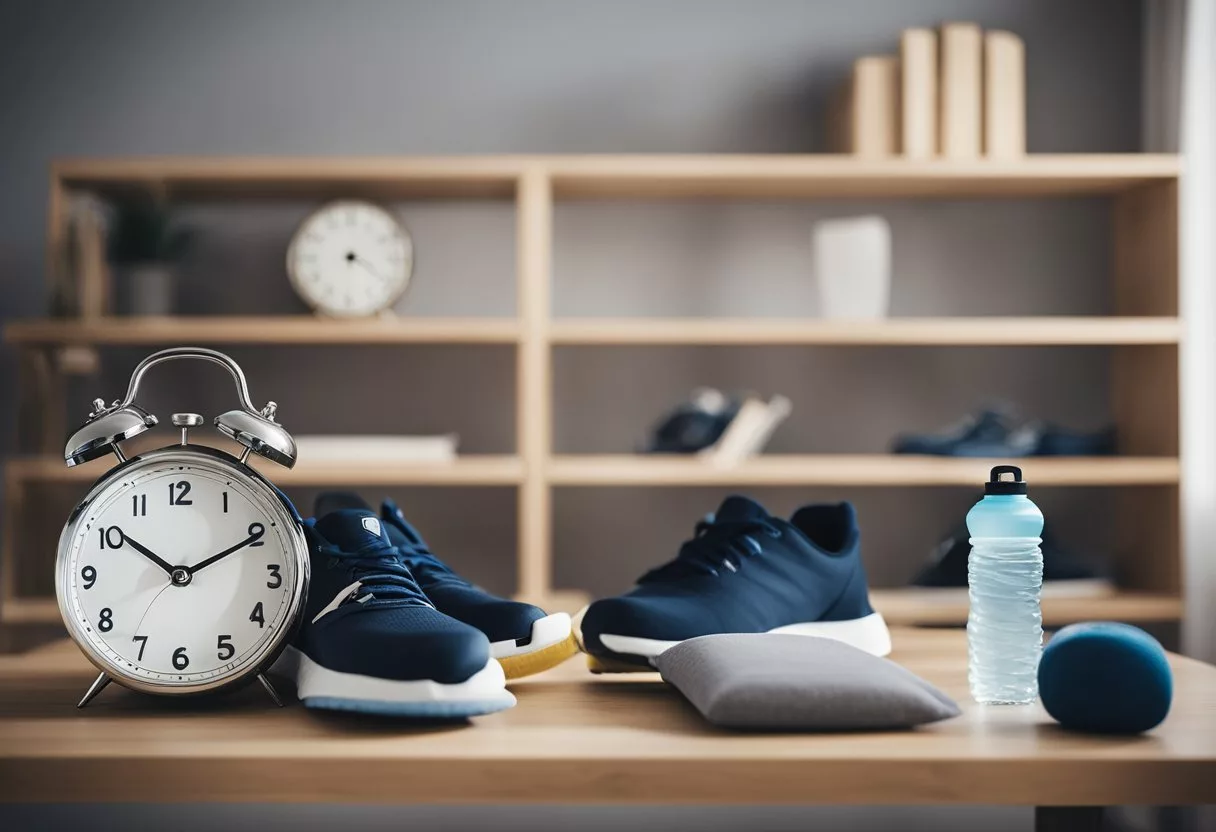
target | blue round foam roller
x=1106, y=678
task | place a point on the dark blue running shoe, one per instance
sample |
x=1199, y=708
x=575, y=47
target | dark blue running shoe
x=744, y=571
x=524, y=638
x=371, y=640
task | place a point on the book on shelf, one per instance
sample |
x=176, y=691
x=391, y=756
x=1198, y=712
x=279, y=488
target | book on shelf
x=960, y=99
x=863, y=118
x=327, y=449
x=1004, y=95
x=918, y=93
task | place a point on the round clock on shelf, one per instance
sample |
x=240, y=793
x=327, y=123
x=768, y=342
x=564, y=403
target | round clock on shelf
x=350, y=259
x=183, y=570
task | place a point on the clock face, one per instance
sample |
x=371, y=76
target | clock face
x=180, y=572
x=350, y=259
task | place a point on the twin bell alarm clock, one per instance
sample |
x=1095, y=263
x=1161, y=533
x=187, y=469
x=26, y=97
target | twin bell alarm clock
x=183, y=570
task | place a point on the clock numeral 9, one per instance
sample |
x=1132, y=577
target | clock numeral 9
x=225, y=649
x=276, y=580
x=89, y=574
x=180, y=660
x=178, y=492
x=256, y=530
x=109, y=537
x=105, y=620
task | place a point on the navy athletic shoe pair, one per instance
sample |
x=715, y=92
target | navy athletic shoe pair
x=744, y=571
x=996, y=434
x=391, y=629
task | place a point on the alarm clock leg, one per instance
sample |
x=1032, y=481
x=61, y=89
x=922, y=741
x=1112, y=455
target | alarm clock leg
x=274, y=694
x=99, y=684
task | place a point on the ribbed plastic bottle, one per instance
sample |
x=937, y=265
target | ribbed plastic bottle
x=1005, y=583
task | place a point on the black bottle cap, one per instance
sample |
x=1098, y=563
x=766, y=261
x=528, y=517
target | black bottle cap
x=997, y=485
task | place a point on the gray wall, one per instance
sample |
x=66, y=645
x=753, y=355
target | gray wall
x=129, y=78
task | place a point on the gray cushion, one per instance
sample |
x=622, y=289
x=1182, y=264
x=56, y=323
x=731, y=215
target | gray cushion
x=792, y=682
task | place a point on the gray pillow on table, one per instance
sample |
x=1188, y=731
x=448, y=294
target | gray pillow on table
x=793, y=682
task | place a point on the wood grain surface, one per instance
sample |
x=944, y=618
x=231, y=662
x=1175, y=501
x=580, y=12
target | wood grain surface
x=576, y=738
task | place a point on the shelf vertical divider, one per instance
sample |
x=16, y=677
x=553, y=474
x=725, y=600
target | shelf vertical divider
x=1146, y=384
x=534, y=388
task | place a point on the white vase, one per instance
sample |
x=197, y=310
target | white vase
x=853, y=267
x=151, y=289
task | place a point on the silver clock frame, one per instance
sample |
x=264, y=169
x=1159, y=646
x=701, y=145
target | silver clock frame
x=316, y=307
x=286, y=515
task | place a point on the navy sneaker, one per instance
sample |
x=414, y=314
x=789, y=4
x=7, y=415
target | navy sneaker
x=695, y=424
x=997, y=434
x=524, y=638
x=371, y=640
x=744, y=571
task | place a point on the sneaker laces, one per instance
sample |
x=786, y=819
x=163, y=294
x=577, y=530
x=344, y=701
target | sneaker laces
x=421, y=560
x=714, y=546
x=377, y=573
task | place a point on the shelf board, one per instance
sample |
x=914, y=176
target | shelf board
x=465, y=470
x=853, y=469
x=910, y=606
x=732, y=176
x=832, y=176
x=1062, y=331
x=281, y=329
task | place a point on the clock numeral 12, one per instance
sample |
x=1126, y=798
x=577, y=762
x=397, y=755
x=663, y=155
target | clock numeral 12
x=178, y=497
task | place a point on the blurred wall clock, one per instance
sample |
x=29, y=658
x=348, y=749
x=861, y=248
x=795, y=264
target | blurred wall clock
x=350, y=259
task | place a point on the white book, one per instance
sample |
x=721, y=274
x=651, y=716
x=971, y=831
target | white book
x=402, y=449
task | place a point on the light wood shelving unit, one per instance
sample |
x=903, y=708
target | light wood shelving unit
x=1143, y=335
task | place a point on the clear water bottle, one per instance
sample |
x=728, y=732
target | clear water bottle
x=1005, y=582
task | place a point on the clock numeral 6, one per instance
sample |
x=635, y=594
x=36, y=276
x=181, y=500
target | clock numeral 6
x=178, y=492
x=89, y=574
x=180, y=660
x=226, y=650
x=276, y=580
x=105, y=620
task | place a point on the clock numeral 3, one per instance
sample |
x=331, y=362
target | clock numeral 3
x=180, y=660
x=89, y=574
x=256, y=530
x=143, y=642
x=178, y=492
x=257, y=615
x=276, y=580
x=139, y=505
x=111, y=537
x=105, y=620
x=226, y=650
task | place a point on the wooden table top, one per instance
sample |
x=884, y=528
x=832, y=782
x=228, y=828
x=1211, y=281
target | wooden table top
x=574, y=738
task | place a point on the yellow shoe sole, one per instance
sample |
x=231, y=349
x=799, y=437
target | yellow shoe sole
x=528, y=664
x=599, y=664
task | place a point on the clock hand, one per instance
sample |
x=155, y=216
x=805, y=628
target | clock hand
x=368, y=266
x=194, y=570
x=146, y=552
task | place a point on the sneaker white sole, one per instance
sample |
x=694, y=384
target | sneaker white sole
x=548, y=631
x=869, y=634
x=550, y=644
x=319, y=687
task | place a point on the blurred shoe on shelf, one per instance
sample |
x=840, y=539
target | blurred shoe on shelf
x=996, y=433
x=694, y=425
x=1064, y=574
x=743, y=571
x=372, y=642
x=524, y=638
